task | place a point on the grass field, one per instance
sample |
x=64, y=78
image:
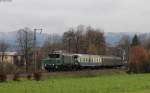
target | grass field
x=102, y=84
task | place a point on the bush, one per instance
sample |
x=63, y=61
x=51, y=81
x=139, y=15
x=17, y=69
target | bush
x=37, y=76
x=29, y=76
x=138, y=60
x=8, y=68
x=16, y=77
x=3, y=77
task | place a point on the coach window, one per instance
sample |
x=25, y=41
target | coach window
x=80, y=60
x=84, y=59
x=96, y=59
x=93, y=59
x=100, y=60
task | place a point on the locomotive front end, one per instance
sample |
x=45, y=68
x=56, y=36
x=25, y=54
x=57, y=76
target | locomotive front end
x=52, y=62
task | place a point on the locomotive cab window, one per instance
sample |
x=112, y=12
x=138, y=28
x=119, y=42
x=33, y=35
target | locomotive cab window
x=75, y=56
x=54, y=55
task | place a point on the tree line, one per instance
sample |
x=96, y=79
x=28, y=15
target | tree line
x=79, y=40
x=137, y=53
x=84, y=40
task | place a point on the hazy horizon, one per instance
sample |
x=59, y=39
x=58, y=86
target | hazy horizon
x=58, y=16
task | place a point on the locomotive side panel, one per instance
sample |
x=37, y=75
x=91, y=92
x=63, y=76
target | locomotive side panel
x=69, y=60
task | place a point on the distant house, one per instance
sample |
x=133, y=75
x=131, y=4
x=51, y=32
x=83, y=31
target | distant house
x=12, y=58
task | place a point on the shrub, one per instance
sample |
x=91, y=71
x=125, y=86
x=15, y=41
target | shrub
x=29, y=76
x=37, y=76
x=8, y=68
x=16, y=77
x=3, y=77
x=138, y=60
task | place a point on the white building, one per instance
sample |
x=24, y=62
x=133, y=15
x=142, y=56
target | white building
x=12, y=58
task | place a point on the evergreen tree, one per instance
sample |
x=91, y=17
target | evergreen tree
x=135, y=41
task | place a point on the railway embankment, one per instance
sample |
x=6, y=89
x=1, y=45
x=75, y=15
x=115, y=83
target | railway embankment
x=82, y=73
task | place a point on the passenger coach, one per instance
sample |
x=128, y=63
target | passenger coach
x=98, y=60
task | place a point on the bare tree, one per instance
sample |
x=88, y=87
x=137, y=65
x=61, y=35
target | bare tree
x=47, y=46
x=3, y=48
x=25, y=43
x=80, y=40
x=124, y=43
x=145, y=38
x=96, y=39
x=52, y=43
x=69, y=40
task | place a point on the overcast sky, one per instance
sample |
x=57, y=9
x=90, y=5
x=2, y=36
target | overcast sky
x=56, y=16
